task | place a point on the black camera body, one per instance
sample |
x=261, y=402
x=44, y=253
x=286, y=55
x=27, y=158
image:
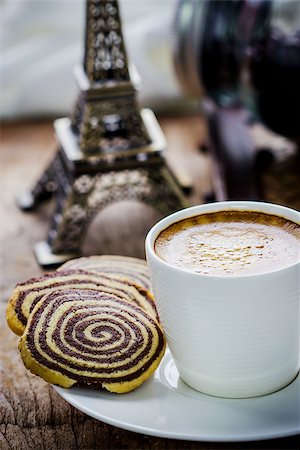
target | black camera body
x=234, y=54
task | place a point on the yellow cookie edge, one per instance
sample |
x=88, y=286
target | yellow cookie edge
x=11, y=316
x=49, y=375
x=123, y=387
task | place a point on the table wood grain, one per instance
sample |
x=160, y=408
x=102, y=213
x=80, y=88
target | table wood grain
x=32, y=415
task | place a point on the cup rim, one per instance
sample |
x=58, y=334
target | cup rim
x=233, y=205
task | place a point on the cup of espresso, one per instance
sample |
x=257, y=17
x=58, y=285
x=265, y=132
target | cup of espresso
x=226, y=279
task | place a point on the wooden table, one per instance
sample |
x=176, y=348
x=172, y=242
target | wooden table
x=32, y=415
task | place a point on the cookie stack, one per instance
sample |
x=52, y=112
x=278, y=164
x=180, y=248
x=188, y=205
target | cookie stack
x=133, y=269
x=87, y=326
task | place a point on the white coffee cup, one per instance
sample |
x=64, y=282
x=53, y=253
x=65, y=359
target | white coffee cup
x=231, y=336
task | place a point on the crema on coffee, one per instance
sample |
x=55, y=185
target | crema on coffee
x=230, y=243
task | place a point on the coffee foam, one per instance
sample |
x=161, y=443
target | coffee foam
x=230, y=243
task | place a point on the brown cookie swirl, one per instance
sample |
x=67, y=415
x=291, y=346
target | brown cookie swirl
x=91, y=338
x=27, y=294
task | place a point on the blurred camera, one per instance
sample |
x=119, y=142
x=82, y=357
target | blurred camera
x=242, y=58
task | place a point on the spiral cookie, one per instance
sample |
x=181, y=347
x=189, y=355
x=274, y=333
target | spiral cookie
x=91, y=338
x=134, y=269
x=26, y=295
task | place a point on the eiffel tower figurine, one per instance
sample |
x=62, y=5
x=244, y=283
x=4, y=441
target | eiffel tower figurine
x=108, y=151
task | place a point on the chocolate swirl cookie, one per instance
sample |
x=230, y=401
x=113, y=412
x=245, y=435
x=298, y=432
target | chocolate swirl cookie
x=91, y=338
x=134, y=269
x=26, y=295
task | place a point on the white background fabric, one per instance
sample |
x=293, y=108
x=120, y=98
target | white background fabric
x=42, y=40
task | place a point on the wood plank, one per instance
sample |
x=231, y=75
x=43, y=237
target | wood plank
x=32, y=415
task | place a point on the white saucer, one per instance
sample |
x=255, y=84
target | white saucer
x=165, y=406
